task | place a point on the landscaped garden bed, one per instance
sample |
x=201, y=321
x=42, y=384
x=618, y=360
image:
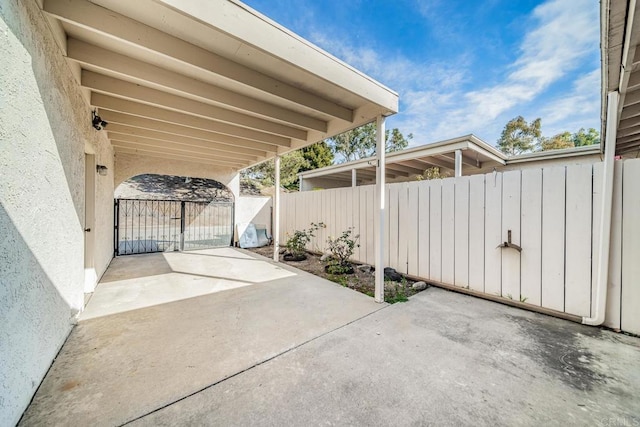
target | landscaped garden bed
x=362, y=279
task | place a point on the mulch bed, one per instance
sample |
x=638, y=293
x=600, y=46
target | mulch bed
x=361, y=281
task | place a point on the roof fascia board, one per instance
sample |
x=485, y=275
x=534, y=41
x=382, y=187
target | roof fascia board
x=247, y=25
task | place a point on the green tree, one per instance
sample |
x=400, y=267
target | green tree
x=360, y=142
x=586, y=137
x=264, y=173
x=316, y=156
x=557, y=142
x=519, y=137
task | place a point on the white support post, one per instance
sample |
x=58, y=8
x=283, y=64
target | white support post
x=604, y=227
x=380, y=207
x=458, y=171
x=276, y=211
x=353, y=178
x=300, y=183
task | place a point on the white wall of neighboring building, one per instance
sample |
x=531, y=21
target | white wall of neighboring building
x=45, y=131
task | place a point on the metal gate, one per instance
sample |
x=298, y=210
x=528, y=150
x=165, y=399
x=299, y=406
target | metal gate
x=145, y=226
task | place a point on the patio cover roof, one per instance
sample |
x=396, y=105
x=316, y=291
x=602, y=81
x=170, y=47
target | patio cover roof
x=620, y=35
x=476, y=154
x=208, y=81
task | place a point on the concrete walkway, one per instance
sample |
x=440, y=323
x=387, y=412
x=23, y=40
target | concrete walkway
x=298, y=350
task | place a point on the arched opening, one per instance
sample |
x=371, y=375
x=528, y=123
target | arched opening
x=159, y=213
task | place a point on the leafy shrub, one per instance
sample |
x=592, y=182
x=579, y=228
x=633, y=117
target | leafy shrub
x=297, y=243
x=341, y=249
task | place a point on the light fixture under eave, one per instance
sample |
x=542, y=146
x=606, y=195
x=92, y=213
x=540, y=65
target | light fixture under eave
x=97, y=121
x=101, y=169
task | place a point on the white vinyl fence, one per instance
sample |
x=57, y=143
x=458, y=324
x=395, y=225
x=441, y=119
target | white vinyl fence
x=449, y=230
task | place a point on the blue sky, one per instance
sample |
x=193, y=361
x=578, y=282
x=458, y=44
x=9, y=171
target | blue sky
x=464, y=66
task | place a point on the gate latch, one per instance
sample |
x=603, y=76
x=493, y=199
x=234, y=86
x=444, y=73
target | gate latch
x=87, y=230
x=508, y=243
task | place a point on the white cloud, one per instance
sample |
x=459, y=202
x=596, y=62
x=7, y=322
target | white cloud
x=575, y=109
x=564, y=35
x=561, y=36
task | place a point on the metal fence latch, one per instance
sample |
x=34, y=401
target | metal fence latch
x=508, y=243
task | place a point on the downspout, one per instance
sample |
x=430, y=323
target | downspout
x=611, y=120
x=605, y=212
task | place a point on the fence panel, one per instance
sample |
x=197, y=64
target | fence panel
x=612, y=314
x=449, y=231
x=553, y=220
x=404, y=228
x=461, y=232
x=578, y=239
x=630, y=318
x=531, y=237
x=435, y=230
x=476, y=232
x=493, y=235
x=413, y=228
x=511, y=225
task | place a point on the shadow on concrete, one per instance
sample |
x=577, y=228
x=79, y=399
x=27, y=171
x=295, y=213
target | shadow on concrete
x=116, y=368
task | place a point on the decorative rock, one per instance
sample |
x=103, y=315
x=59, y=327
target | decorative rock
x=419, y=286
x=392, y=274
x=365, y=268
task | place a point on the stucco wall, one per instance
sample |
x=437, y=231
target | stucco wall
x=255, y=209
x=44, y=130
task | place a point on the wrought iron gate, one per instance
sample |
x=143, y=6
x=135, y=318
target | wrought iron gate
x=144, y=226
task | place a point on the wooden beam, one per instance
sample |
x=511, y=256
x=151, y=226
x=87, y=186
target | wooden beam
x=629, y=138
x=629, y=131
x=431, y=161
x=98, y=58
x=137, y=109
x=184, y=140
x=178, y=146
x=404, y=168
x=107, y=22
x=631, y=111
x=170, y=151
x=466, y=160
x=144, y=123
x=623, y=145
x=396, y=171
x=123, y=89
x=174, y=157
x=632, y=97
x=628, y=123
x=628, y=149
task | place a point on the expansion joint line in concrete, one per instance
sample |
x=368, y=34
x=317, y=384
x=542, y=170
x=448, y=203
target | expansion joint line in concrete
x=262, y=362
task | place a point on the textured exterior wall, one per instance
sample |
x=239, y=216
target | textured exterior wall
x=44, y=131
x=254, y=209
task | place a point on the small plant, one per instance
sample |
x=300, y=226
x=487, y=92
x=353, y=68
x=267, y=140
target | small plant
x=397, y=292
x=339, y=279
x=509, y=296
x=523, y=299
x=341, y=249
x=297, y=243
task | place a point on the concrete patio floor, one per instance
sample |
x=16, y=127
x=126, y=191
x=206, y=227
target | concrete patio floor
x=298, y=350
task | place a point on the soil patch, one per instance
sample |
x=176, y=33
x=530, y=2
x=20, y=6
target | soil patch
x=361, y=280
